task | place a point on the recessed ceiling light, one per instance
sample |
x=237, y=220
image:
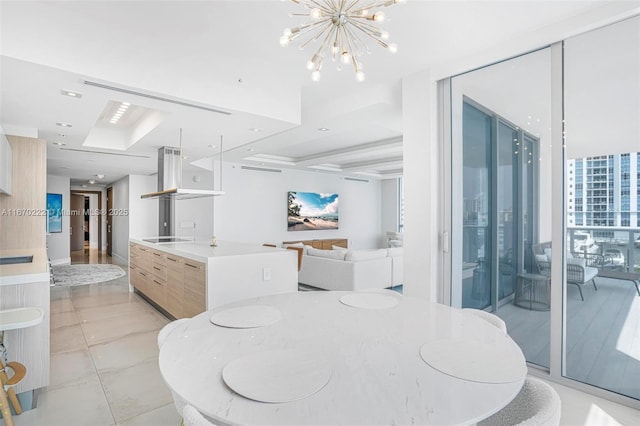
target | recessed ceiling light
x=84, y=185
x=250, y=149
x=100, y=176
x=256, y=129
x=323, y=129
x=62, y=124
x=92, y=181
x=59, y=143
x=185, y=157
x=211, y=146
x=62, y=135
x=126, y=104
x=71, y=94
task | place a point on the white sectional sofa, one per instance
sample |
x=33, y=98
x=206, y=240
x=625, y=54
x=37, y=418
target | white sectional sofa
x=351, y=270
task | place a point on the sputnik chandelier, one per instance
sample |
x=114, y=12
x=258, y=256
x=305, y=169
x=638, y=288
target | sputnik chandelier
x=341, y=25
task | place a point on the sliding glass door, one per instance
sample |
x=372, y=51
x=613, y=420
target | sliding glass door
x=498, y=162
x=545, y=203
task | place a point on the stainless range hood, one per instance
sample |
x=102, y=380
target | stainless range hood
x=169, y=187
x=170, y=178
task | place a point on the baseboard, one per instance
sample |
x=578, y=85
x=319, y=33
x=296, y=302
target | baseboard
x=63, y=261
x=121, y=259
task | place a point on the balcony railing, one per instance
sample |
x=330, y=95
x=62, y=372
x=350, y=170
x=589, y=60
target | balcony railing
x=607, y=247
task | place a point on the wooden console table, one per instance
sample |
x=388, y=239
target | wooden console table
x=326, y=244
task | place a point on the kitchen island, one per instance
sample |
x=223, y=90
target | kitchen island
x=25, y=285
x=185, y=278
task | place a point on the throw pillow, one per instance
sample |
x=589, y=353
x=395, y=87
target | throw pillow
x=547, y=253
x=338, y=248
x=328, y=254
x=357, y=255
x=541, y=258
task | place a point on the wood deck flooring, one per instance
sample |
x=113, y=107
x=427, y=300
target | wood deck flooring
x=603, y=335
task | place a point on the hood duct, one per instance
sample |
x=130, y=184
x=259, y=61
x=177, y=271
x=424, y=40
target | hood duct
x=170, y=176
x=170, y=186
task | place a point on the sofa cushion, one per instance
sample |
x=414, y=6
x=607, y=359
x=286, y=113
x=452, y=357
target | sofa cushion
x=394, y=251
x=329, y=254
x=357, y=255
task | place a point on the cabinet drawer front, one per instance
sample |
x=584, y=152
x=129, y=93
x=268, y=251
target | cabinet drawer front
x=159, y=270
x=158, y=257
x=174, y=263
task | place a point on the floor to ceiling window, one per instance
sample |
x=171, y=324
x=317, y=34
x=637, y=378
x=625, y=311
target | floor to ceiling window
x=602, y=106
x=545, y=200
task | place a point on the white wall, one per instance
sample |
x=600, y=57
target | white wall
x=198, y=211
x=421, y=184
x=120, y=223
x=254, y=209
x=58, y=244
x=143, y=213
x=389, y=208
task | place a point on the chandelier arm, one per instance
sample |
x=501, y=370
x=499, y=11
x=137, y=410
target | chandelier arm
x=351, y=6
x=362, y=21
x=374, y=5
x=370, y=33
x=358, y=43
x=317, y=36
x=304, y=28
x=351, y=49
x=325, y=42
x=322, y=7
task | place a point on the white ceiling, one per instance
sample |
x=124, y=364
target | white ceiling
x=225, y=55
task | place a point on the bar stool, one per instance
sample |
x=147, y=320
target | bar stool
x=13, y=319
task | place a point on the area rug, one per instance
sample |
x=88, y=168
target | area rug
x=70, y=275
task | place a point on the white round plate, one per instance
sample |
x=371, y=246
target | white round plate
x=277, y=376
x=475, y=361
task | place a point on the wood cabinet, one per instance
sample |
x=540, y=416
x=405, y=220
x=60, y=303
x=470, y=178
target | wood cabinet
x=174, y=283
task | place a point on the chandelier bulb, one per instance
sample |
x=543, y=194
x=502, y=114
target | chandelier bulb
x=378, y=16
x=360, y=76
x=345, y=58
x=284, y=40
x=384, y=34
x=315, y=76
x=393, y=48
x=287, y=31
x=310, y=65
x=316, y=13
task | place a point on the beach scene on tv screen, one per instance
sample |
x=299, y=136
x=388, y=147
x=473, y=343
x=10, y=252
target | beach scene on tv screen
x=312, y=211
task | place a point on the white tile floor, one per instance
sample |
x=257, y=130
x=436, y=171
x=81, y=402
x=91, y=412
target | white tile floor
x=104, y=367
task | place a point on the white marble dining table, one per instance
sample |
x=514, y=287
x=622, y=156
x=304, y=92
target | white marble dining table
x=322, y=361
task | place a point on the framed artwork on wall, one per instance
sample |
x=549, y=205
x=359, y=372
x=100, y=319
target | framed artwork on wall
x=54, y=213
x=308, y=211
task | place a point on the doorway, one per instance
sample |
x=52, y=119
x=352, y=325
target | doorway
x=86, y=237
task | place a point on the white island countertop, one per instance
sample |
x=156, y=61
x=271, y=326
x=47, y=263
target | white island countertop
x=202, y=251
x=24, y=273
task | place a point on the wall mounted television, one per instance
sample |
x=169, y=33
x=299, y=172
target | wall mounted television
x=54, y=213
x=311, y=211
